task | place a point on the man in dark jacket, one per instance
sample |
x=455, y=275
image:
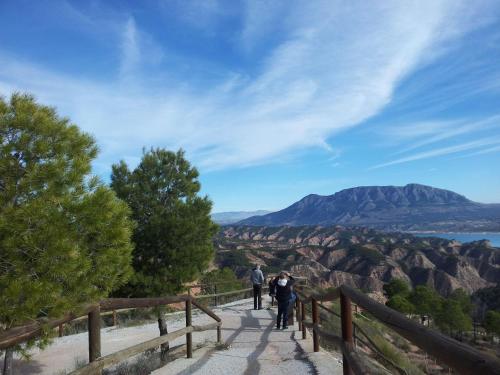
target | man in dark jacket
x=257, y=279
x=283, y=291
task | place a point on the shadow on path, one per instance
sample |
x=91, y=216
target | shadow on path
x=206, y=357
x=254, y=324
x=253, y=366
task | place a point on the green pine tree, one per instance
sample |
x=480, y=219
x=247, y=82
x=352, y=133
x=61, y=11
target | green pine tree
x=64, y=236
x=451, y=317
x=396, y=287
x=426, y=300
x=401, y=304
x=224, y=278
x=492, y=322
x=173, y=237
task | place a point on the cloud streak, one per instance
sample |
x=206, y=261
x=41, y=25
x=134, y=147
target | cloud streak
x=442, y=151
x=325, y=76
x=431, y=132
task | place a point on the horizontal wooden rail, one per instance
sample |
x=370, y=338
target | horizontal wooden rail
x=115, y=358
x=20, y=334
x=17, y=335
x=455, y=354
x=216, y=283
x=224, y=294
x=207, y=327
x=459, y=356
x=127, y=303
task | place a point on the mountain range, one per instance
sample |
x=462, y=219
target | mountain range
x=231, y=217
x=361, y=257
x=413, y=207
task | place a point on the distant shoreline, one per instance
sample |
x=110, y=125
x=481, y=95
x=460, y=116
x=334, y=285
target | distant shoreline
x=464, y=237
x=443, y=232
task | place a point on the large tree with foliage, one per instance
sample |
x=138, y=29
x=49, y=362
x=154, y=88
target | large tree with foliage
x=173, y=237
x=225, y=280
x=397, y=287
x=398, y=291
x=492, y=322
x=452, y=317
x=401, y=304
x=64, y=236
x=425, y=300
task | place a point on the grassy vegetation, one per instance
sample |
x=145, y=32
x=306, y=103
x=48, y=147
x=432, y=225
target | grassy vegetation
x=233, y=258
x=372, y=256
x=394, y=351
x=392, y=346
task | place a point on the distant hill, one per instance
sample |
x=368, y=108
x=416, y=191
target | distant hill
x=359, y=257
x=232, y=217
x=412, y=207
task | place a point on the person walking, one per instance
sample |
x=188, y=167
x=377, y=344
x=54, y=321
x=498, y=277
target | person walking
x=283, y=291
x=257, y=279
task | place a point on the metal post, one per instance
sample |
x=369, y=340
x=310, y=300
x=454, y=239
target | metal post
x=189, y=335
x=315, y=318
x=303, y=317
x=347, y=332
x=94, y=319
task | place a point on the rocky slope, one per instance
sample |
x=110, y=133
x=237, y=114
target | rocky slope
x=411, y=207
x=363, y=258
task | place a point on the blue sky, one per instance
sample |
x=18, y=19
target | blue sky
x=273, y=100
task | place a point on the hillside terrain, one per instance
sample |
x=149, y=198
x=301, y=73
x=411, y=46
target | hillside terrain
x=360, y=257
x=412, y=207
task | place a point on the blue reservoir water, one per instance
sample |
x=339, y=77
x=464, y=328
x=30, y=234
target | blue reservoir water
x=494, y=238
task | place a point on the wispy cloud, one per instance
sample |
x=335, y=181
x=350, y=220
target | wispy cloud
x=440, y=152
x=430, y=132
x=130, y=47
x=489, y=150
x=324, y=76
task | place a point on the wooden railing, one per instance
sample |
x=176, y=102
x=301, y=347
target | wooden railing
x=460, y=357
x=93, y=313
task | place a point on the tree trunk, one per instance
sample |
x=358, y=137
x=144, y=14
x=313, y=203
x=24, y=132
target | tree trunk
x=7, y=363
x=162, y=325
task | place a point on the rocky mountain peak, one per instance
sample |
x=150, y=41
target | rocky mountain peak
x=410, y=207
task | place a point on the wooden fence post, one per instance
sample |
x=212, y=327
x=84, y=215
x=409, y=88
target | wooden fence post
x=219, y=335
x=315, y=319
x=215, y=297
x=94, y=322
x=189, y=335
x=61, y=330
x=303, y=317
x=290, y=321
x=299, y=319
x=347, y=333
x=115, y=318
